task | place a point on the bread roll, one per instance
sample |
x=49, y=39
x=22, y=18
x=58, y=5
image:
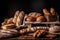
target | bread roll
x=35, y=34
x=32, y=14
x=23, y=31
x=10, y=21
x=8, y=33
x=45, y=11
x=5, y=22
x=40, y=19
x=39, y=33
x=38, y=15
x=52, y=11
x=30, y=19
x=8, y=26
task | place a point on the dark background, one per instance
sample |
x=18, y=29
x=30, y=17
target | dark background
x=8, y=7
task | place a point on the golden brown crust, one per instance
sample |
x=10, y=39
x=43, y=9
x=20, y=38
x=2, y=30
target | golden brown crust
x=45, y=11
x=10, y=21
x=8, y=26
x=40, y=19
x=39, y=33
x=52, y=11
x=32, y=16
x=30, y=19
x=15, y=16
x=35, y=34
x=38, y=15
x=19, y=18
x=5, y=22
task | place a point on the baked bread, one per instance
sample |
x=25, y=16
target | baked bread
x=8, y=26
x=32, y=14
x=10, y=21
x=40, y=19
x=38, y=15
x=39, y=33
x=8, y=33
x=5, y=22
x=15, y=17
x=52, y=11
x=45, y=11
x=20, y=18
x=30, y=19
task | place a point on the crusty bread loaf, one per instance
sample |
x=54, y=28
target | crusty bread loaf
x=39, y=33
x=45, y=11
x=10, y=21
x=30, y=19
x=8, y=26
x=52, y=11
x=41, y=19
x=5, y=22
x=33, y=16
x=35, y=34
x=20, y=18
x=15, y=16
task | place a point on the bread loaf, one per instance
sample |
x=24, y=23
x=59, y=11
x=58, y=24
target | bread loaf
x=10, y=21
x=15, y=16
x=45, y=11
x=8, y=26
x=20, y=19
x=41, y=19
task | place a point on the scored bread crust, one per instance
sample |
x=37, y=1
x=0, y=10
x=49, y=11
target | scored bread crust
x=15, y=17
x=19, y=18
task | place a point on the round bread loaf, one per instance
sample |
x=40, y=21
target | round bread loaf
x=29, y=19
x=40, y=19
x=45, y=11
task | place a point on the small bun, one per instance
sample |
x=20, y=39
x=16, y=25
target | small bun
x=45, y=11
x=52, y=11
x=40, y=19
x=38, y=14
x=30, y=19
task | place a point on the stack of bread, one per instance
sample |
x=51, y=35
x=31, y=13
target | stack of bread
x=34, y=16
x=13, y=22
x=16, y=21
x=50, y=15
